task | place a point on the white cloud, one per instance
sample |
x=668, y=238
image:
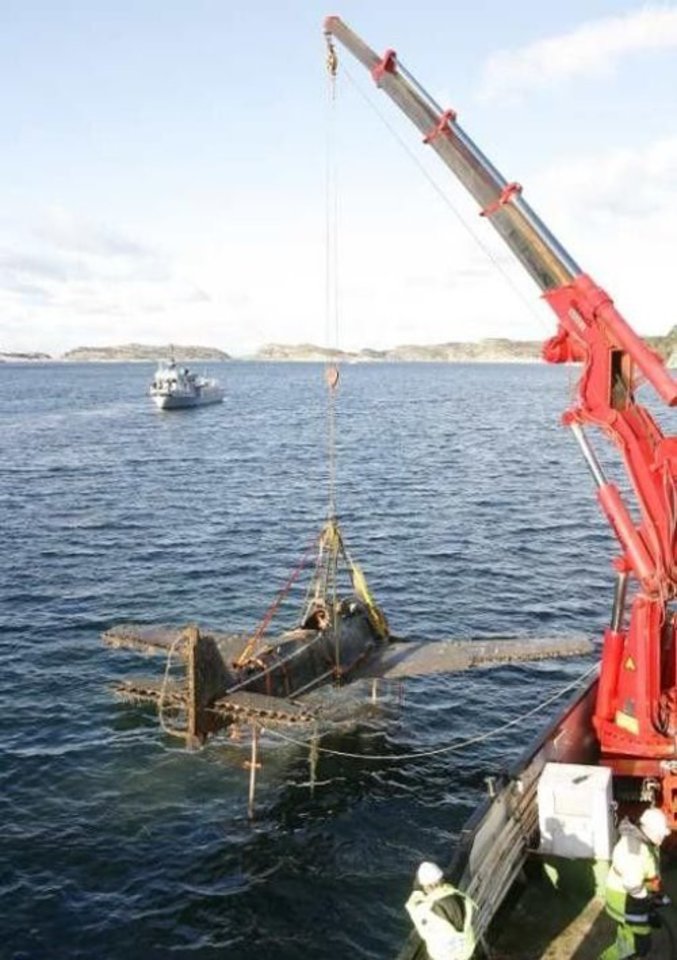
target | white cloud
x=621, y=183
x=407, y=275
x=593, y=48
x=75, y=235
x=616, y=213
x=67, y=282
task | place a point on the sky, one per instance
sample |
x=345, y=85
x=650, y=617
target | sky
x=163, y=168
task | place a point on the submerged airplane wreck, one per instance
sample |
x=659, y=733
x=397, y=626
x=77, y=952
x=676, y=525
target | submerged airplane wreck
x=269, y=681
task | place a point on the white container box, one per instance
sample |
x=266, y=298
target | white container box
x=575, y=811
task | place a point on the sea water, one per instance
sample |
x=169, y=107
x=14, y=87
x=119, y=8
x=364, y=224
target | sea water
x=470, y=510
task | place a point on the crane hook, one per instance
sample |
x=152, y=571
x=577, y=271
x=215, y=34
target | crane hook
x=331, y=375
x=332, y=58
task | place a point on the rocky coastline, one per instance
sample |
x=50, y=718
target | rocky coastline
x=492, y=350
x=483, y=351
x=140, y=352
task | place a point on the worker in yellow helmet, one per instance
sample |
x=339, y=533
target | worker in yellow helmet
x=633, y=885
x=442, y=916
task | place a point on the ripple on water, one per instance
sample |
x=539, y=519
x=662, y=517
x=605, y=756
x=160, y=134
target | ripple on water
x=469, y=512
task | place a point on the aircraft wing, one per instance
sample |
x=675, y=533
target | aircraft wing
x=146, y=639
x=410, y=658
x=163, y=638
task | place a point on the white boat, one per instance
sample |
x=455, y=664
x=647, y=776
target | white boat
x=175, y=387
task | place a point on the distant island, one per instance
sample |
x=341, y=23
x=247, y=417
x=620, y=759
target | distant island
x=129, y=352
x=491, y=350
x=23, y=357
x=125, y=353
x=488, y=351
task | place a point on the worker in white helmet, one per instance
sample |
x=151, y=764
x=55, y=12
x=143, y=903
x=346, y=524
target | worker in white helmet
x=442, y=915
x=633, y=889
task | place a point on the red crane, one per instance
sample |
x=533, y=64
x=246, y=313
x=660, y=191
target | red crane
x=636, y=711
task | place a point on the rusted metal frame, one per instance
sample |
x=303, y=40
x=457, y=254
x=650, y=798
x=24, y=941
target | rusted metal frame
x=194, y=733
x=206, y=680
x=148, y=692
x=241, y=685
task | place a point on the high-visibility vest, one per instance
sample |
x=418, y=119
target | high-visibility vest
x=634, y=867
x=634, y=863
x=442, y=940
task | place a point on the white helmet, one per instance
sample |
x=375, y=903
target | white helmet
x=429, y=874
x=654, y=823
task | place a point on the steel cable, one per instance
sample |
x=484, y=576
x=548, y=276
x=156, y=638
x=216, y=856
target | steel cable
x=470, y=741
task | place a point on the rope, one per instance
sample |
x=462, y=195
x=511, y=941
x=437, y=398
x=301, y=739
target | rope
x=333, y=573
x=332, y=335
x=332, y=376
x=166, y=727
x=460, y=745
x=331, y=272
x=310, y=593
x=249, y=648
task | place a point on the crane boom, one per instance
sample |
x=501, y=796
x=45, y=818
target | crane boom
x=531, y=242
x=523, y=231
x=636, y=712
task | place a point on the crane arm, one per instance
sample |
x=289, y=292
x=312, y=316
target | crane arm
x=636, y=713
x=501, y=202
x=528, y=238
x=590, y=328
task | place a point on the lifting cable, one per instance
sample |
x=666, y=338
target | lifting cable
x=459, y=745
x=250, y=649
x=331, y=374
x=331, y=273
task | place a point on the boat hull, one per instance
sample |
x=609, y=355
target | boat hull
x=179, y=402
x=495, y=841
x=531, y=905
x=175, y=387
